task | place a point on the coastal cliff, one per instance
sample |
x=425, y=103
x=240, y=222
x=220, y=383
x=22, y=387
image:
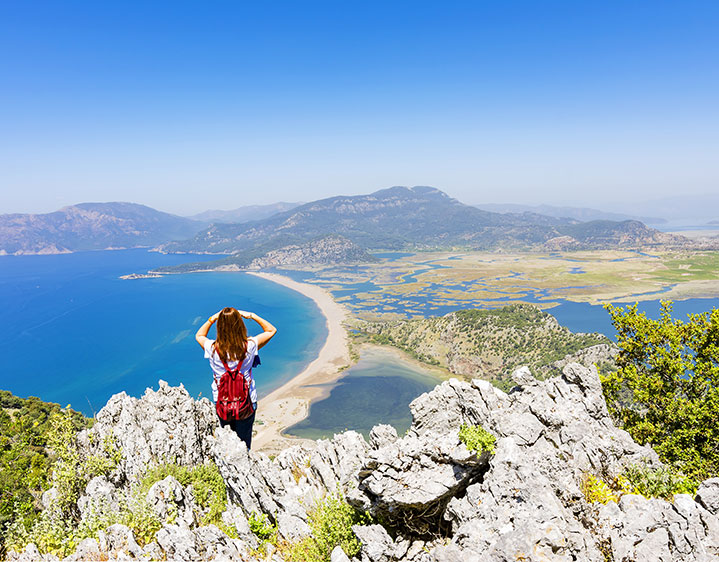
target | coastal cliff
x=480, y=475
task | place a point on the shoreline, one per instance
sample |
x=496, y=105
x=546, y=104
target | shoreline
x=290, y=403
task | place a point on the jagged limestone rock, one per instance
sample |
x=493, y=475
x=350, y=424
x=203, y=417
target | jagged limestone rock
x=650, y=529
x=88, y=549
x=338, y=555
x=164, y=426
x=708, y=495
x=100, y=495
x=381, y=435
x=377, y=545
x=408, y=482
x=171, y=502
x=523, y=502
x=118, y=539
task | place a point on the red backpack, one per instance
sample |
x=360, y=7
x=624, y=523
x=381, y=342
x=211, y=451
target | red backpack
x=233, y=395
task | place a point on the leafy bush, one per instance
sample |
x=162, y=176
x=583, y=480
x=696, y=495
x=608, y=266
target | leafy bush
x=25, y=461
x=331, y=522
x=476, y=438
x=666, y=389
x=262, y=528
x=662, y=482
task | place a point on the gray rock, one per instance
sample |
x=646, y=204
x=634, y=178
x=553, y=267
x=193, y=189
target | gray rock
x=118, y=539
x=338, y=555
x=409, y=481
x=708, y=495
x=172, y=503
x=177, y=543
x=88, y=549
x=100, y=496
x=382, y=435
x=235, y=518
x=213, y=544
x=441, y=501
x=650, y=529
x=377, y=545
x=523, y=377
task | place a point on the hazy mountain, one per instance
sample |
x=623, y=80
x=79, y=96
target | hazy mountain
x=92, y=226
x=696, y=208
x=244, y=214
x=579, y=213
x=414, y=218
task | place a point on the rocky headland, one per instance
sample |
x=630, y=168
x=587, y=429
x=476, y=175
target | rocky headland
x=430, y=495
x=490, y=344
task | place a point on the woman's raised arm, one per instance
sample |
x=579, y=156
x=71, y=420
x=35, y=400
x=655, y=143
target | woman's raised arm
x=269, y=329
x=201, y=335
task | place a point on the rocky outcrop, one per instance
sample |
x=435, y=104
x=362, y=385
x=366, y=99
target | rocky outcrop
x=329, y=250
x=165, y=425
x=431, y=498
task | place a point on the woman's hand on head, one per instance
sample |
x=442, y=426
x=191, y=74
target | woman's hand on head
x=245, y=314
x=214, y=317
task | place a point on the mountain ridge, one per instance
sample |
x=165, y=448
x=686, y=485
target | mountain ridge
x=91, y=226
x=417, y=218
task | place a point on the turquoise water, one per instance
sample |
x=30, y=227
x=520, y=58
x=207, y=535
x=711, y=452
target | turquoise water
x=74, y=333
x=378, y=389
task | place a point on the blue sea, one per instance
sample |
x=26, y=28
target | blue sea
x=74, y=333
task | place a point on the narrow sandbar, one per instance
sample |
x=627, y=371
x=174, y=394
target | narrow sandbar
x=290, y=403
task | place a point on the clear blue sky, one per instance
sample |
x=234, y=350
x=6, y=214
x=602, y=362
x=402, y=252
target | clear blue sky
x=186, y=106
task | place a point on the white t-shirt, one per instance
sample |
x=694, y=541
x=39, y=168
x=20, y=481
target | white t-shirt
x=218, y=369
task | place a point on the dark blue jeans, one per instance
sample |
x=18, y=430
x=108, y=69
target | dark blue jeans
x=243, y=428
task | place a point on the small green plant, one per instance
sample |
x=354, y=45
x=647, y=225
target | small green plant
x=477, y=439
x=260, y=525
x=595, y=490
x=662, y=482
x=331, y=522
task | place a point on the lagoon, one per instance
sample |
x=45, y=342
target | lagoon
x=377, y=389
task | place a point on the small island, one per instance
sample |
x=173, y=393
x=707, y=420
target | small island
x=141, y=276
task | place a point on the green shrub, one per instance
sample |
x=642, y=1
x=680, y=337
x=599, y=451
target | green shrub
x=331, y=522
x=662, y=482
x=476, y=438
x=666, y=389
x=262, y=528
x=25, y=461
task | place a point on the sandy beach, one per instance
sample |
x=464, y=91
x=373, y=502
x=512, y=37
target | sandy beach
x=290, y=403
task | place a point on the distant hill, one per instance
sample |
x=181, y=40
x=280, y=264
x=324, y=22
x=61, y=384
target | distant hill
x=326, y=250
x=244, y=214
x=92, y=226
x=579, y=213
x=687, y=207
x=418, y=218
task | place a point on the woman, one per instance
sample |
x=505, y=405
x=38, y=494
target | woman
x=233, y=348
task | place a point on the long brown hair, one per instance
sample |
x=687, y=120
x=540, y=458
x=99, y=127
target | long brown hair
x=231, y=343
